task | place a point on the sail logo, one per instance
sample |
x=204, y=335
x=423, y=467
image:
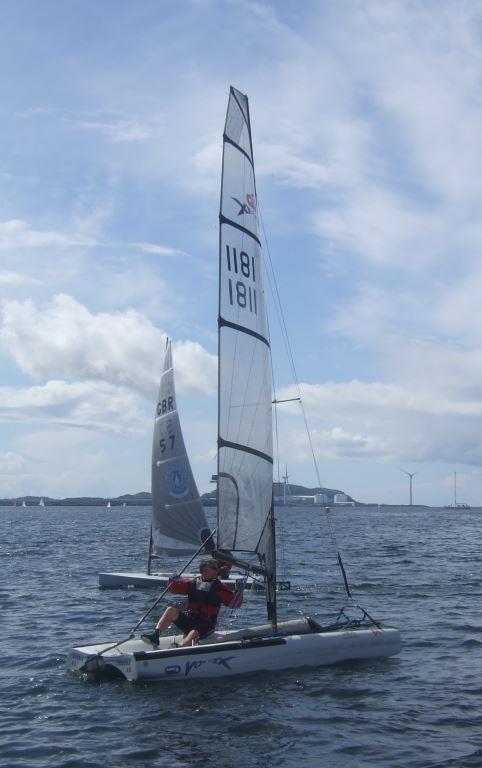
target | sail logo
x=248, y=207
x=176, y=481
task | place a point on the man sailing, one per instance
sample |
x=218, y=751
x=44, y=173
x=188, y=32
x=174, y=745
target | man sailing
x=205, y=595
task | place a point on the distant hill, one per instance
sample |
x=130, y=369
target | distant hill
x=300, y=490
x=144, y=498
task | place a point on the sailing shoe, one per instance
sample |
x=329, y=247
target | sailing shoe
x=151, y=637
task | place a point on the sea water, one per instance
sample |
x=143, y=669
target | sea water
x=418, y=569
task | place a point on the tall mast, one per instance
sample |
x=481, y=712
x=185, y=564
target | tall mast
x=245, y=429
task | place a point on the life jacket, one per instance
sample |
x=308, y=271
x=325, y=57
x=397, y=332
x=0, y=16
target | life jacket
x=206, y=602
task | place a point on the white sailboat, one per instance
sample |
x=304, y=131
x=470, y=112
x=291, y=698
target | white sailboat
x=41, y=503
x=457, y=504
x=178, y=524
x=245, y=524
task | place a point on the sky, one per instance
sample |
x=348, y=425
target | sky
x=367, y=131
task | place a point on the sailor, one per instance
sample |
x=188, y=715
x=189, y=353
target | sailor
x=205, y=595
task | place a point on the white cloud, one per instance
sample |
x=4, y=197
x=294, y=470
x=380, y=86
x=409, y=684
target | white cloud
x=91, y=405
x=290, y=167
x=11, y=463
x=16, y=233
x=16, y=278
x=121, y=348
x=373, y=223
x=195, y=369
x=71, y=462
x=385, y=422
x=160, y=250
x=120, y=130
x=66, y=339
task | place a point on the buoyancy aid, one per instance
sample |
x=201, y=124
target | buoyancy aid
x=203, y=597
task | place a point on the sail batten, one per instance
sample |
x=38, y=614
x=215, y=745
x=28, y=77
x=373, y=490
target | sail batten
x=231, y=223
x=228, y=140
x=245, y=448
x=241, y=329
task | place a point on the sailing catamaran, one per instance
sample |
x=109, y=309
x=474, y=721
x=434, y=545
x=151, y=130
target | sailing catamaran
x=245, y=522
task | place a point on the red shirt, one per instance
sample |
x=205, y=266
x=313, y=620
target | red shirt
x=181, y=587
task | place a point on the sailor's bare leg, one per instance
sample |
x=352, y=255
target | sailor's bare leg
x=190, y=638
x=168, y=617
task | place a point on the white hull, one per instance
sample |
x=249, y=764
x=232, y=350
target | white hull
x=139, y=579
x=237, y=653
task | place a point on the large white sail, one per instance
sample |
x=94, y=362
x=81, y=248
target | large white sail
x=245, y=451
x=179, y=524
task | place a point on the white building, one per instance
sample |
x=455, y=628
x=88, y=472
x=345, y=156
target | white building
x=342, y=498
x=321, y=498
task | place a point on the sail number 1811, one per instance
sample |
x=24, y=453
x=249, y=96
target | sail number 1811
x=241, y=265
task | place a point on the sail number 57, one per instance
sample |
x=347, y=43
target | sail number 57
x=166, y=443
x=241, y=265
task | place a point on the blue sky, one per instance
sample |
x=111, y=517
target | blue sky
x=367, y=129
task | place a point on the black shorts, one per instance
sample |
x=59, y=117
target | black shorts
x=190, y=620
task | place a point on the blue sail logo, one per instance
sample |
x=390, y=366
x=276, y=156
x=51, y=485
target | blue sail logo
x=176, y=481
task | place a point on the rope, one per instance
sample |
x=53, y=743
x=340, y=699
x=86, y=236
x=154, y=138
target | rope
x=285, y=336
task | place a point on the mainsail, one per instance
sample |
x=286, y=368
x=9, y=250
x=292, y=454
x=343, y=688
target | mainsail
x=179, y=524
x=245, y=441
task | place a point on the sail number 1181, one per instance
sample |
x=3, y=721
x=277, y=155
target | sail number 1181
x=242, y=266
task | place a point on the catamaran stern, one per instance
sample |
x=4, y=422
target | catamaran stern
x=97, y=661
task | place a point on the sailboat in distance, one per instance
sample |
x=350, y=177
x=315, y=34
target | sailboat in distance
x=457, y=504
x=245, y=522
x=178, y=522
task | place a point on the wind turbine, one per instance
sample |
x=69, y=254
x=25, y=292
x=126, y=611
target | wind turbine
x=411, y=475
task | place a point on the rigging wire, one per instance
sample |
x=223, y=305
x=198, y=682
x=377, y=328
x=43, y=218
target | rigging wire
x=271, y=276
x=232, y=615
x=280, y=527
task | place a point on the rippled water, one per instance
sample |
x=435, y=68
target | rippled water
x=415, y=568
